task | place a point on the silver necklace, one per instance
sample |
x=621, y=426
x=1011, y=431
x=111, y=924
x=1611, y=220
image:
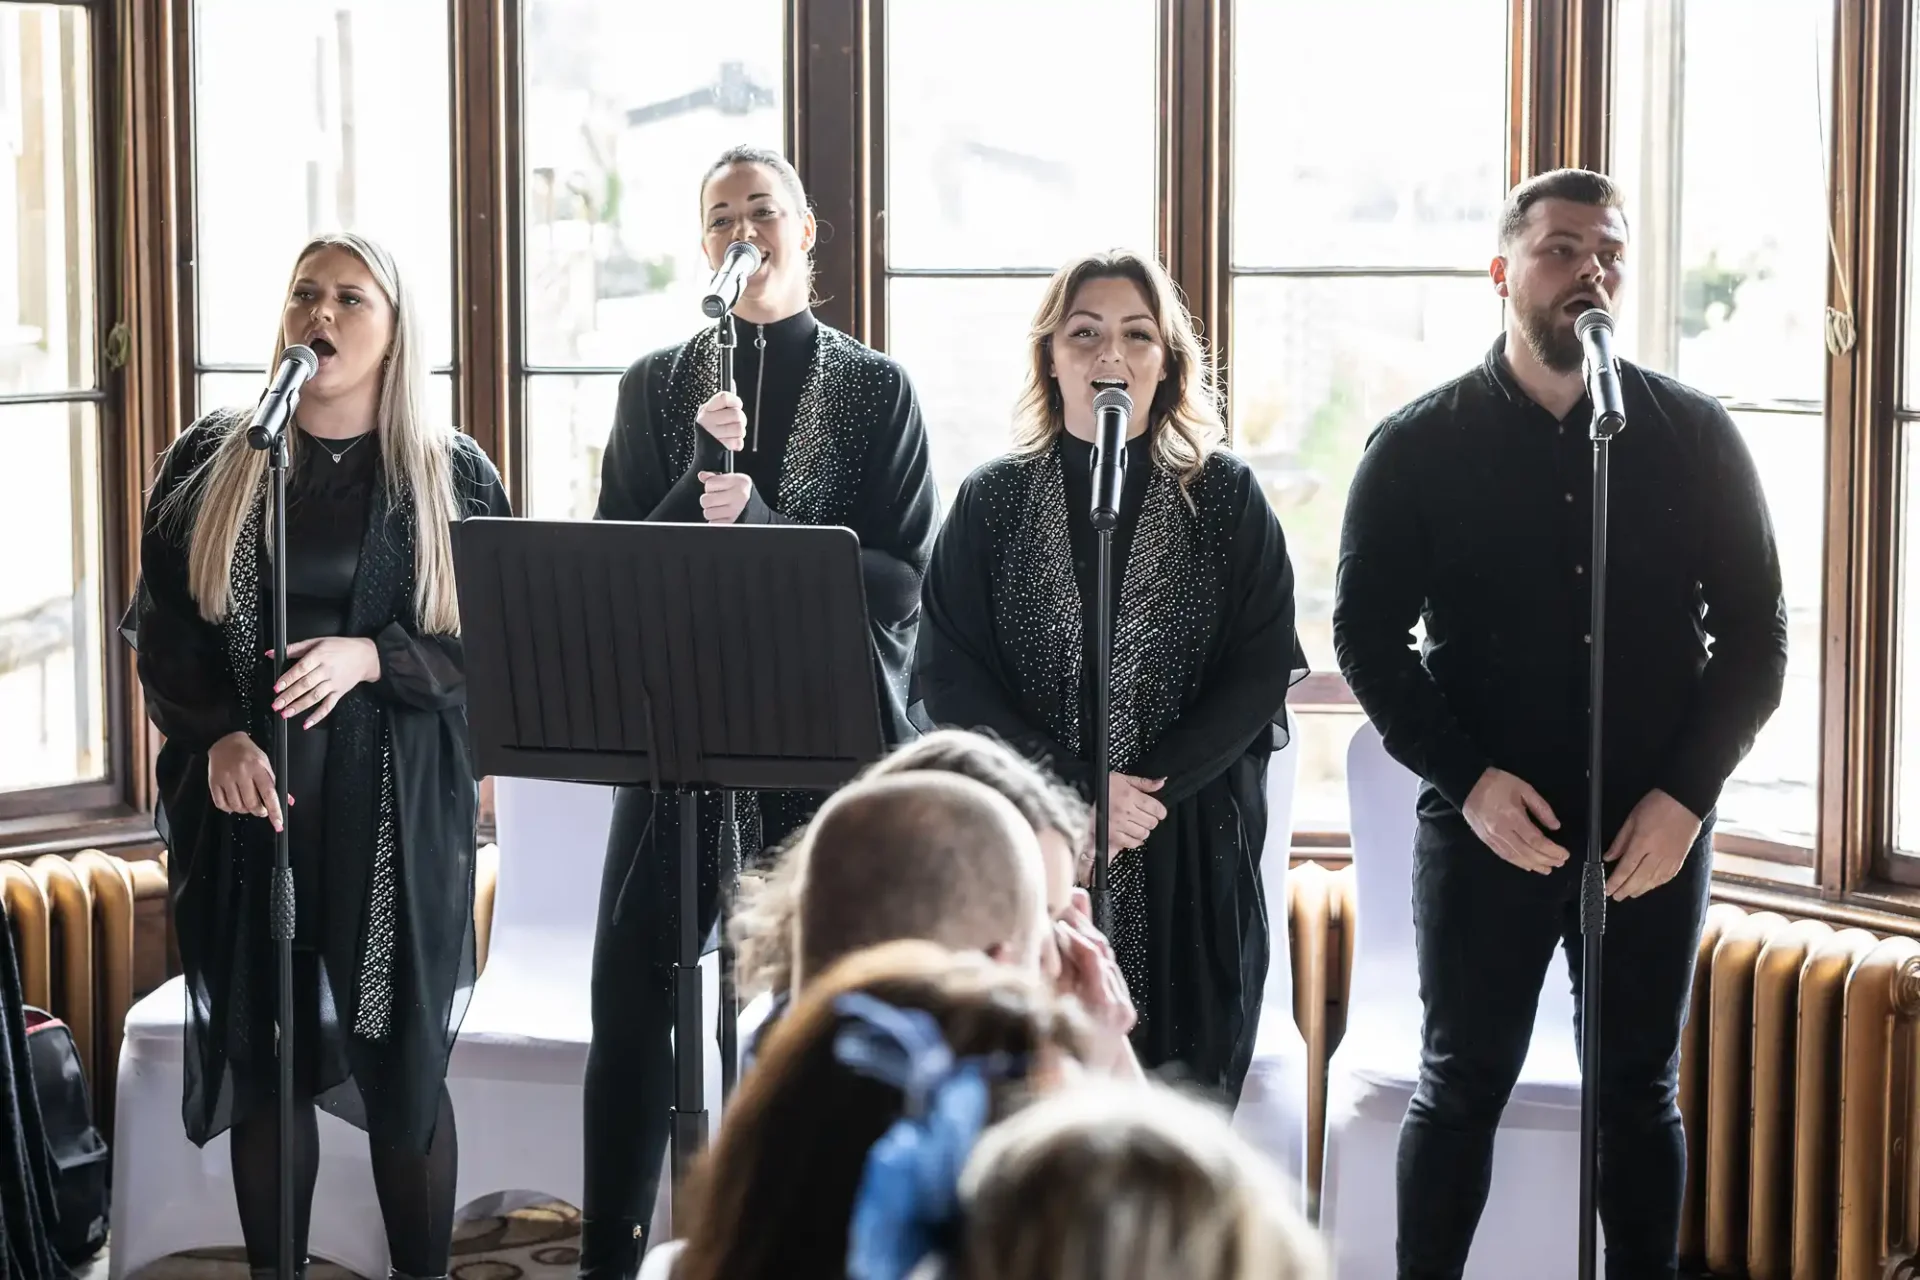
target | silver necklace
x=324, y=448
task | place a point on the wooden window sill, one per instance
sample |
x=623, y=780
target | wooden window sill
x=123, y=831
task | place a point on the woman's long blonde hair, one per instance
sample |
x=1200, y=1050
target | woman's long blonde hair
x=417, y=458
x=1184, y=418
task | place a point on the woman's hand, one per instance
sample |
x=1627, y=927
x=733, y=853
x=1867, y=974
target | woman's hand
x=241, y=779
x=324, y=671
x=727, y=494
x=724, y=417
x=1132, y=812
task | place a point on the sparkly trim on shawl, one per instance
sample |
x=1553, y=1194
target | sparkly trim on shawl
x=1164, y=583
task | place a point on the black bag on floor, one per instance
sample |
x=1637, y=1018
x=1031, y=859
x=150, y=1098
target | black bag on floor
x=81, y=1168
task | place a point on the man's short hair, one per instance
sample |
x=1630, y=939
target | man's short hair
x=1581, y=186
x=932, y=856
x=763, y=918
x=1046, y=803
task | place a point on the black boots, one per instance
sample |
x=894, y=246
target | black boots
x=610, y=1248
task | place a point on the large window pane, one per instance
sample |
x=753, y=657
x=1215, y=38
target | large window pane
x=568, y=420
x=1720, y=137
x=52, y=691
x=46, y=200
x=313, y=118
x=1394, y=158
x=627, y=102
x=1316, y=364
x=243, y=390
x=963, y=342
x=1772, y=794
x=1019, y=152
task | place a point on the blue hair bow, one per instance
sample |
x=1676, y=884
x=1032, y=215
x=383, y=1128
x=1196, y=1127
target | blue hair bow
x=909, y=1189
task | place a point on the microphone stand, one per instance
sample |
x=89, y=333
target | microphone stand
x=281, y=904
x=729, y=1012
x=1103, y=523
x=1112, y=412
x=1593, y=881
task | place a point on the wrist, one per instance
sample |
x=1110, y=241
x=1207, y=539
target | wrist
x=371, y=659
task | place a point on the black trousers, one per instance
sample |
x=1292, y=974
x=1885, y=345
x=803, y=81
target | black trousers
x=1485, y=932
x=629, y=1084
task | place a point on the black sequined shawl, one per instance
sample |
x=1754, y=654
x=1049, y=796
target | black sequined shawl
x=1204, y=651
x=400, y=804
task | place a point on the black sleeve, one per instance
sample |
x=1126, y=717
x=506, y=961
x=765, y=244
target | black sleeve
x=636, y=477
x=957, y=663
x=1380, y=588
x=180, y=656
x=429, y=671
x=1747, y=617
x=1246, y=691
x=899, y=510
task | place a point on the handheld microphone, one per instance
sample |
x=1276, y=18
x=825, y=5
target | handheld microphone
x=297, y=364
x=1594, y=328
x=1112, y=413
x=736, y=268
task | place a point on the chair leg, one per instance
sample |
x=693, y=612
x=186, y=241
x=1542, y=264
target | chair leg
x=610, y=1248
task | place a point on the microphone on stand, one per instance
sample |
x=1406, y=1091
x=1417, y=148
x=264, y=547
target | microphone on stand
x=1594, y=328
x=297, y=364
x=1112, y=414
x=736, y=268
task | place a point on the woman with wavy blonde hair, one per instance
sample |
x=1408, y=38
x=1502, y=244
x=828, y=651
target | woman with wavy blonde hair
x=1203, y=650
x=381, y=794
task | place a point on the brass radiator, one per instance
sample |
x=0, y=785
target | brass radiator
x=1798, y=1088
x=74, y=934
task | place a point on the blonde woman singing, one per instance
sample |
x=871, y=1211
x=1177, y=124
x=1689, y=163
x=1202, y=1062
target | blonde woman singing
x=381, y=797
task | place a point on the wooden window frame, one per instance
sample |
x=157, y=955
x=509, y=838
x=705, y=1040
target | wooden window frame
x=109, y=812
x=1560, y=73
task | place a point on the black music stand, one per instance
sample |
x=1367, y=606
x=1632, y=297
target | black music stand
x=678, y=656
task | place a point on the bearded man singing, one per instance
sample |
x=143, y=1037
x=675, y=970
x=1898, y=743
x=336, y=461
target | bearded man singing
x=1471, y=512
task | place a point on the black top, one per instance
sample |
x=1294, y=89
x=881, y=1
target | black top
x=326, y=523
x=1471, y=510
x=783, y=349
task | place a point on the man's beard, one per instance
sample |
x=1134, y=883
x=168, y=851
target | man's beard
x=1557, y=349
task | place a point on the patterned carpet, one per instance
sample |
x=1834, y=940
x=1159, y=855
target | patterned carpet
x=541, y=1242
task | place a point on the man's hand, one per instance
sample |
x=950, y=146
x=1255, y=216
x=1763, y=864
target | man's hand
x=726, y=496
x=1502, y=810
x=1652, y=845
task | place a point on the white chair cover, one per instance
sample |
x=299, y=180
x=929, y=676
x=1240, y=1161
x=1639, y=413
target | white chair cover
x=1529, y=1227
x=1273, y=1103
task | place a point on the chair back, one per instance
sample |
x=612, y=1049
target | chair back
x=553, y=844
x=1283, y=772
x=1381, y=794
